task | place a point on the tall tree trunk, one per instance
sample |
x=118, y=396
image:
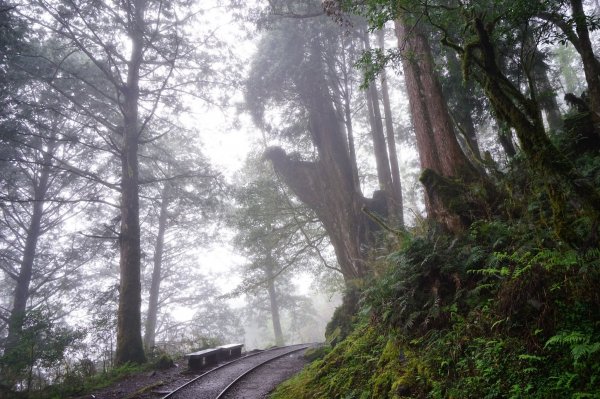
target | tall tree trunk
x=591, y=66
x=274, y=303
x=384, y=174
x=130, y=347
x=438, y=148
x=544, y=93
x=397, y=204
x=342, y=105
x=463, y=112
x=350, y=135
x=547, y=99
x=34, y=231
x=150, y=327
x=348, y=118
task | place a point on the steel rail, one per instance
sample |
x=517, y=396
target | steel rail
x=228, y=387
x=170, y=394
x=176, y=390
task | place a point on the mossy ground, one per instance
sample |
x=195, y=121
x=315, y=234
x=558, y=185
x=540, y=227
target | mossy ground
x=505, y=311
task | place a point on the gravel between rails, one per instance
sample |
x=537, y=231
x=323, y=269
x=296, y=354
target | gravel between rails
x=262, y=381
x=209, y=386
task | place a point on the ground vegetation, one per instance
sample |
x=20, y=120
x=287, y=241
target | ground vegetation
x=504, y=306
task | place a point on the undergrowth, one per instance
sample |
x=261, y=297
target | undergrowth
x=504, y=311
x=78, y=383
x=508, y=309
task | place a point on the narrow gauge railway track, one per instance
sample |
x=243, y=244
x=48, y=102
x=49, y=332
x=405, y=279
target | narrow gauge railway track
x=230, y=390
x=219, y=381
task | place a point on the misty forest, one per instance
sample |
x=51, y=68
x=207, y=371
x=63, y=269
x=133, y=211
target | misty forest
x=411, y=186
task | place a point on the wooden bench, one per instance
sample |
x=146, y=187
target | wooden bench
x=229, y=352
x=203, y=358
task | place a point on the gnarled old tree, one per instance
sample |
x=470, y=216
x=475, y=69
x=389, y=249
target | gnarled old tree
x=326, y=183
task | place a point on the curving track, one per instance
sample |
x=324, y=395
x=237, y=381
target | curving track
x=241, y=378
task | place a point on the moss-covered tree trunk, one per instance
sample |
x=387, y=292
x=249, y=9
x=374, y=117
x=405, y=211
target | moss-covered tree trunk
x=438, y=148
x=524, y=115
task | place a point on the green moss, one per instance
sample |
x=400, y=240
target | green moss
x=76, y=385
x=343, y=319
x=365, y=365
x=505, y=311
x=317, y=353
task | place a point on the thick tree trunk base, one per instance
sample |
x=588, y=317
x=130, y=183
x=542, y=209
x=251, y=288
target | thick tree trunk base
x=458, y=204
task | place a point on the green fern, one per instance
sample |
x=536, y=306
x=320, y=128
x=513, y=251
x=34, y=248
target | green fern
x=579, y=343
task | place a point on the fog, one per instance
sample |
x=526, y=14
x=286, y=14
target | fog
x=178, y=175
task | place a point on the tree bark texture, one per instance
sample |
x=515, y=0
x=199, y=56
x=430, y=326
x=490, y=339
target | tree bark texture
x=150, y=327
x=129, y=336
x=438, y=148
